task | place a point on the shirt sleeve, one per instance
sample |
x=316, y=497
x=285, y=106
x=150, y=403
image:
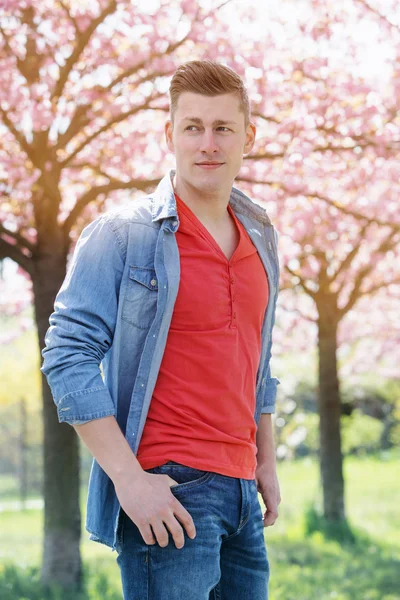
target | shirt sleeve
x=82, y=325
x=269, y=384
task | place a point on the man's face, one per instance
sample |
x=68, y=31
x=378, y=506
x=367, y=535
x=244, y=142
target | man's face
x=209, y=130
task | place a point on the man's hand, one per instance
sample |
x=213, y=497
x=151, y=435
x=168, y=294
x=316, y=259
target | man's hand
x=150, y=504
x=268, y=487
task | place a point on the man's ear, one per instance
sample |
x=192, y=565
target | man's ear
x=250, y=138
x=168, y=135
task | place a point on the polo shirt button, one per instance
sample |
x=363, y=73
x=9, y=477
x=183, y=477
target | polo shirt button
x=153, y=282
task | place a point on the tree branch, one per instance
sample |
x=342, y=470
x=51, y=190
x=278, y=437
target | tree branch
x=302, y=283
x=21, y=241
x=150, y=76
x=387, y=244
x=78, y=121
x=8, y=250
x=70, y=17
x=93, y=193
x=265, y=155
x=18, y=136
x=256, y=113
x=118, y=119
x=379, y=286
x=30, y=65
x=298, y=312
x=345, y=264
x=379, y=15
x=395, y=227
x=83, y=40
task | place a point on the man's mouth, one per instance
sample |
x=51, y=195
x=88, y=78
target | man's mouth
x=209, y=165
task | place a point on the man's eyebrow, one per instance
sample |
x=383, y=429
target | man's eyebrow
x=217, y=122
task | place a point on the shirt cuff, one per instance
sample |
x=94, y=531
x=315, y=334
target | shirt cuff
x=270, y=389
x=85, y=405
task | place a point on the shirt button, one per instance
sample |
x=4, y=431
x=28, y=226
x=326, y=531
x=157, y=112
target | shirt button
x=232, y=280
x=153, y=282
x=175, y=223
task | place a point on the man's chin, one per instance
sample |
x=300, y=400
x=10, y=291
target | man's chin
x=209, y=182
x=207, y=186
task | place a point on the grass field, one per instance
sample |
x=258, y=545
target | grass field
x=302, y=567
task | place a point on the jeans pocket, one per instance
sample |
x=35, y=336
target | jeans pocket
x=120, y=531
x=186, y=477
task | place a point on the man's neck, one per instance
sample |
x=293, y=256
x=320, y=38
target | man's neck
x=211, y=208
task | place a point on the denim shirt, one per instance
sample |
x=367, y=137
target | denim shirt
x=114, y=311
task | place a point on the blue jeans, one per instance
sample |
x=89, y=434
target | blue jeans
x=227, y=560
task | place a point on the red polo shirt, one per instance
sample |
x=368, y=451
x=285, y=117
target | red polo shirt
x=202, y=409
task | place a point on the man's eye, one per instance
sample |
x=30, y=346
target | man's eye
x=192, y=127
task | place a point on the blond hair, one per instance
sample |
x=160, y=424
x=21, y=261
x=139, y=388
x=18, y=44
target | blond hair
x=209, y=78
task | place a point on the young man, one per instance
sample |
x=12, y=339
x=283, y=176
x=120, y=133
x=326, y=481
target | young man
x=175, y=294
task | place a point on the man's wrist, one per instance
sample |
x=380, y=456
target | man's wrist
x=130, y=468
x=267, y=465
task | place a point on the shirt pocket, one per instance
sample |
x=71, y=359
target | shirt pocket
x=140, y=302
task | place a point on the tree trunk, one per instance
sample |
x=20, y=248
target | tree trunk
x=62, y=518
x=331, y=460
x=23, y=471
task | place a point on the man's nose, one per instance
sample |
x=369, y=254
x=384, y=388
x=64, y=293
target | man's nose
x=208, y=142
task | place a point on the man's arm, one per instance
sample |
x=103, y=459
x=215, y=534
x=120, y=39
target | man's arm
x=106, y=442
x=266, y=477
x=145, y=497
x=81, y=332
x=82, y=325
x=265, y=443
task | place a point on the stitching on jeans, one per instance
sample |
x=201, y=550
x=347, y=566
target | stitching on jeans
x=186, y=485
x=216, y=592
x=148, y=571
x=196, y=482
x=237, y=531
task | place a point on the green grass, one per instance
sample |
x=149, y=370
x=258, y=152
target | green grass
x=302, y=568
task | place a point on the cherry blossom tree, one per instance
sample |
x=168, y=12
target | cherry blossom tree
x=82, y=84
x=82, y=106
x=327, y=162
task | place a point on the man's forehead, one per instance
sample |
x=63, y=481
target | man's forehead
x=223, y=107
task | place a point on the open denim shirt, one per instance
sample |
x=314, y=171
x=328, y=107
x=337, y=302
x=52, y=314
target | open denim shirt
x=114, y=310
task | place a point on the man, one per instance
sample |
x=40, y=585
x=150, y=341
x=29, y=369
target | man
x=175, y=295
